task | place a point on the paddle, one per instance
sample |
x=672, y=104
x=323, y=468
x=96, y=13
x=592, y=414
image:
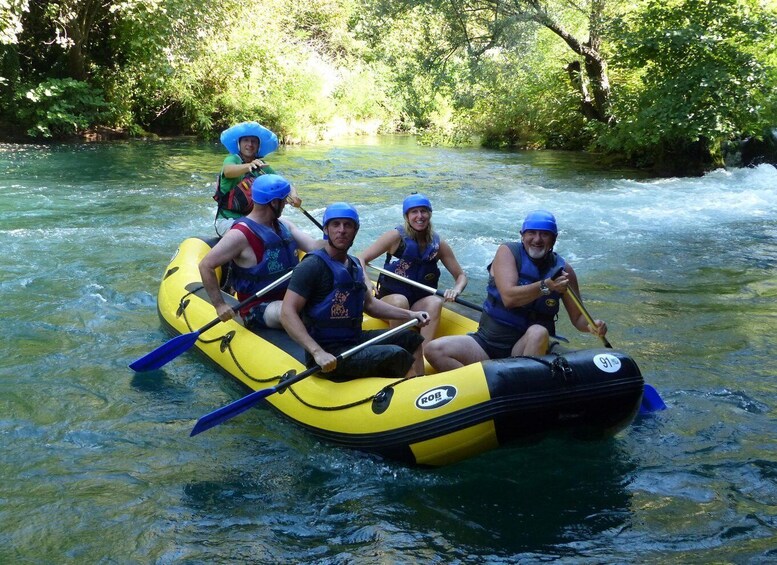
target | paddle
x=589, y=319
x=241, y=405
x=651, y=400
x=179, y=344
x=311, y=218
x=428, y=289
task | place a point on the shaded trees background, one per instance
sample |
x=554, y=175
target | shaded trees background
x=661, y=83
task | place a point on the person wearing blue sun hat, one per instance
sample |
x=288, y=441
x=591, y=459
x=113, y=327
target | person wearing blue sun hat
x=248, y=143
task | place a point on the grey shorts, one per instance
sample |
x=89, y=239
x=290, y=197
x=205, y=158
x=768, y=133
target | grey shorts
x=496, y=339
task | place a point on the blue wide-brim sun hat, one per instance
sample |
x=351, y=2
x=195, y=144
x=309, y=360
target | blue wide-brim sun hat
x=268, y=141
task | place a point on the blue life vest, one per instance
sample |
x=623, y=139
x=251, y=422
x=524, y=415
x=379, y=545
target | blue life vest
x=543, y=310
x=276, y=253
x=411, y=264
x=337, y=319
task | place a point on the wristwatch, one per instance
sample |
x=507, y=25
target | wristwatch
x=544, y=288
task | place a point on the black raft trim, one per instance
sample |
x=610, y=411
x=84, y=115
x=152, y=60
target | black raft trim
x=607, y=404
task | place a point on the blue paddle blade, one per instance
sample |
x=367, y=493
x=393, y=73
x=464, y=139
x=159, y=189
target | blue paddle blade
x=224, y=413
x=165, y=352
x=651, y=401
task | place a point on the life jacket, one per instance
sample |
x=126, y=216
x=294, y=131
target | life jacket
x=410, y=263
x=276, y=253
x=541, y=311
x=337, y=319
x=239, y=199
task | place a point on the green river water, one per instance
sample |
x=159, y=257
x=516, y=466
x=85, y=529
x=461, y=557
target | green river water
x=97, y=463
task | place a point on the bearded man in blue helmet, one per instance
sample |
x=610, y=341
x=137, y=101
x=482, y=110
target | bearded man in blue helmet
x=260, y=248
x=527, y=283
x=325, y=303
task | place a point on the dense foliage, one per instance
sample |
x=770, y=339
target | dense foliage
x=662, y=82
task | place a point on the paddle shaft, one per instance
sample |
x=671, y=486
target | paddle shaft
x=576, y=299
x=251, y=298
x=428, y=289
x=241, y=405
x=311, y=218
x=651, y=400
x=247, y=301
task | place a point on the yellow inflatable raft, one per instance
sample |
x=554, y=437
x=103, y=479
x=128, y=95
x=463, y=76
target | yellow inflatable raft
x=433, y=420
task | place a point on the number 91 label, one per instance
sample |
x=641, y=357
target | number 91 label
x=607, y=363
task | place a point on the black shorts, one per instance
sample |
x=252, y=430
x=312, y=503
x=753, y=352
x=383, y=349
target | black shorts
x=390, y=358
x=496, y=339
x=412, y=294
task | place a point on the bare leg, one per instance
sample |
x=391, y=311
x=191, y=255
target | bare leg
x=433, y=306
x=418, y=361
x=534, y=342
x=272, y=314
x=454, y=351
x=400, y=302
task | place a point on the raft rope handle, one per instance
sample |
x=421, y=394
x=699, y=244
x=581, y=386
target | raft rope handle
x=350, y=405
x=227, y=340
x=559, y=367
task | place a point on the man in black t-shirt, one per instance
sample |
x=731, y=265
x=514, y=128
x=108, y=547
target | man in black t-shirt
x=326, y=299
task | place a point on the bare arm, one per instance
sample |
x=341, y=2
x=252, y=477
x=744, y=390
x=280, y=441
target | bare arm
x=228, y=248
x=576, y=315
x=293, y=197
x=305, y=242
x=385, y=311
x=513, y=295
x=291, y=320
x=386, y=243
x=232, y=170
x=452, y=265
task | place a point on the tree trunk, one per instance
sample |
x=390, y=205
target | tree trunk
x=594, y=84
x=78, y=18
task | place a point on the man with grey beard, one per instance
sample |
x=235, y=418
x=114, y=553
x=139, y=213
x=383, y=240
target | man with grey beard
x=527, y=283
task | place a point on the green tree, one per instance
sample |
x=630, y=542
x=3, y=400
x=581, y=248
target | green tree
x=480, y=27
x=11, y=19
x=705, y=75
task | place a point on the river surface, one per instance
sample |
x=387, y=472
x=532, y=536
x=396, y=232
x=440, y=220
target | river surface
x=97, y=463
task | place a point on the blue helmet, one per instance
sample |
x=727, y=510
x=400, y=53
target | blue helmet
x=414, y=201
x=267, y=188
x=540, y=220
x=341, y=210
x=268, y=141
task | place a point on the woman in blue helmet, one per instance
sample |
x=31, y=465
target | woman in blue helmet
x=325, y=303
x=527, y=283
x=260, y=248
x=413, y=251
x=247, y=143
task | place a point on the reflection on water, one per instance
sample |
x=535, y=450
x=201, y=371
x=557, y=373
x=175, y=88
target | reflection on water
x=98, y=461
x=415, y=515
